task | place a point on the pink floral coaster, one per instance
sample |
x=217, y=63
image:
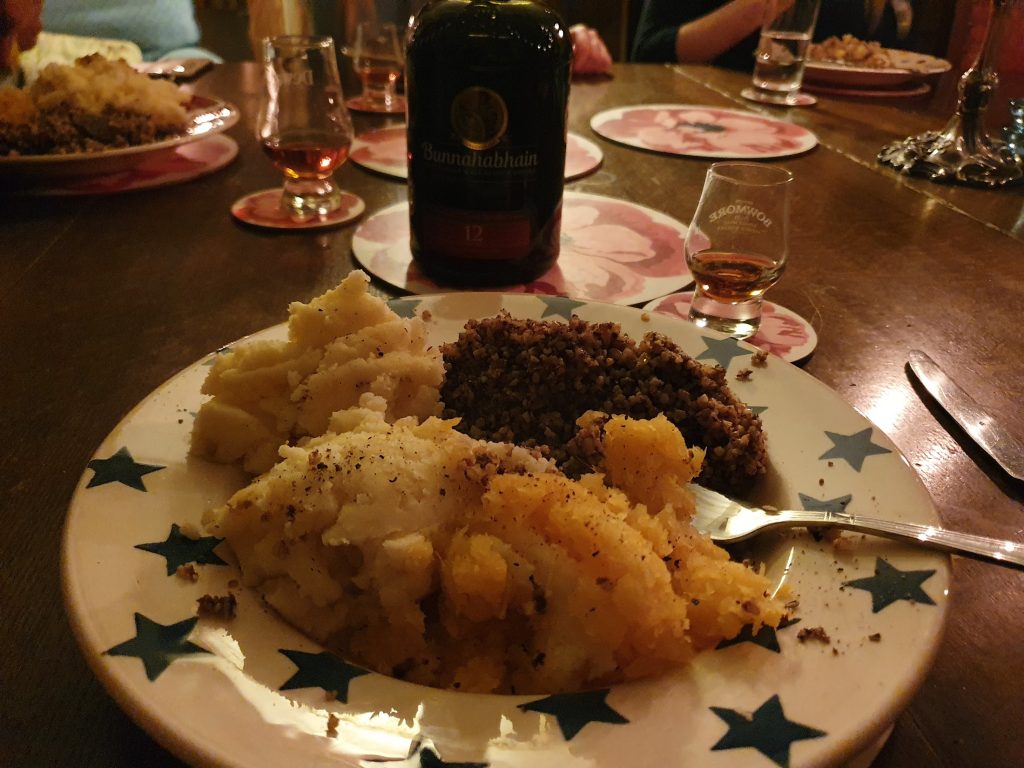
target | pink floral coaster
x=362, y=104
x=695, y=131
x=384, y=151
x=783, y=332
x=612, y=251
x=160, y=169
x=263, y=209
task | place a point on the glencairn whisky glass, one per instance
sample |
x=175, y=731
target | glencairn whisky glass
x=737, y=244
x=304, y=126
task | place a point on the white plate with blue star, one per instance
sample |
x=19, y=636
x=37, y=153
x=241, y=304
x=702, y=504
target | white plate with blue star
x=252, y=691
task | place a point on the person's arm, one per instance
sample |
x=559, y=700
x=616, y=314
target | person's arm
x=708, y=37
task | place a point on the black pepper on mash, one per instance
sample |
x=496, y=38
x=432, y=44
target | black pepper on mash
x=528, y=381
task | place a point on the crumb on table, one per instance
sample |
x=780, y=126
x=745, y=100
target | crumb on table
x=759, y=359
x=187, y=572
x=744, y=374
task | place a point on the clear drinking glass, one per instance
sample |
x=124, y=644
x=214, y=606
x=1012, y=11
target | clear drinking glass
x=781, y=53
x=378, y=58
x=304, y=126
x=737, y=244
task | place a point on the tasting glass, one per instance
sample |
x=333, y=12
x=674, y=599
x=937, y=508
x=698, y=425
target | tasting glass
x=781, y=53
x=737, y=244
x=304, y=126
x=378, y=58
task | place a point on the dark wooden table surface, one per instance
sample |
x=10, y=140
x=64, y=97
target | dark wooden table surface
x=103, y=298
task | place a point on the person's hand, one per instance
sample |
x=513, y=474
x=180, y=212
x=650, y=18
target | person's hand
x=19, y=28
x=589, y=53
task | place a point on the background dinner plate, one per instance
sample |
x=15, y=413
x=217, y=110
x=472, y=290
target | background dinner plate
x=254, y=692
x=158, y=169
x=611, y=250
x=907, y=67
x=384, y=150
x=699, y=131
x=206, y=117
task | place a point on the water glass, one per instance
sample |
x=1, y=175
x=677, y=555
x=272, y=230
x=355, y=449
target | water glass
x=737, y=244
x=781, y=53
x=303, y=125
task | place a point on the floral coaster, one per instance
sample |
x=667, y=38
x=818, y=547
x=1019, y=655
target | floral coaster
x=798, y=99
x=612, y=251
x=384, y=151
x=783, y=332
x=263, y=209
x=186, y=162
x=362, y=104
x=696, y=131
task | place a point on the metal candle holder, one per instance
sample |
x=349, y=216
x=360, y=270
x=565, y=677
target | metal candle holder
x=962, y=151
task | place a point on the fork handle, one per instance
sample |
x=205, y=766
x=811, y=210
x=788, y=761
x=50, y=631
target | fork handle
x=999, y=551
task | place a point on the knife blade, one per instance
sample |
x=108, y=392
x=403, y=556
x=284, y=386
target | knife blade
x=992, y=437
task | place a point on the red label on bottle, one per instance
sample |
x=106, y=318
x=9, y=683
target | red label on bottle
x=475, y=235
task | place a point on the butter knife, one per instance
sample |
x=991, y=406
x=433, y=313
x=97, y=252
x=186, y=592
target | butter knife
x=993, y=438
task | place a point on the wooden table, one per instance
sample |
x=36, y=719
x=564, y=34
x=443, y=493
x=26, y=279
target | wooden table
x=103, y=298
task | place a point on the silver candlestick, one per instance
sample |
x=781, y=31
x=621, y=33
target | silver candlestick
x=963, y=151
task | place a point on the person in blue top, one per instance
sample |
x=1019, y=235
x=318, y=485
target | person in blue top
x=725, y=32
x=161, y=28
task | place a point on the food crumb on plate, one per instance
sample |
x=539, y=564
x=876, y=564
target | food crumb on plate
x=217, y=606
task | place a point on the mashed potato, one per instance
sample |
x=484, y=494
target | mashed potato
x=95, y=85
x=341, y=345
x=422, y=553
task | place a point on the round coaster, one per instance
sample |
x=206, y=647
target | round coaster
x=612, y=250
x=696, y=131
x=782, y=333
x=263, y=209
x=798, y=99
x=362, y=104
x=921, y=89
x=582, y=156
x=161, y=169
x=385, y=151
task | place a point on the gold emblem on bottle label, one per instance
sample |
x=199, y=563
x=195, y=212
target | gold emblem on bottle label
x=479, y=117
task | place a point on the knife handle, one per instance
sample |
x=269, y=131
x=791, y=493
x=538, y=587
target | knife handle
x=999, y=551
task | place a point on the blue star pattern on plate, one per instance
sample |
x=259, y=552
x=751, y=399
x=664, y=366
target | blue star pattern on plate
x=559, y=306
x=722, y=351
x=179, y=549
x=120, y=468
x=838, y=504
x=767, y=730
x=422, y=756
x=430, y=759
x=758, y=409
x=852, y=448
x=765, y=637
x=158, y=645
x=890, y=585
x=405, y=307
x=575, y=710
x=321, y=670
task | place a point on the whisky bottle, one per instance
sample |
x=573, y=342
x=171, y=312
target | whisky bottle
x=487, y=87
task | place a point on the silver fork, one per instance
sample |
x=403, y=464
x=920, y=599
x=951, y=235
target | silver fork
x=727, y=521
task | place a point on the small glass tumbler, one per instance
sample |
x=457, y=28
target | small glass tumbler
x=737, y=244
x=782, y=51
x=304, y=126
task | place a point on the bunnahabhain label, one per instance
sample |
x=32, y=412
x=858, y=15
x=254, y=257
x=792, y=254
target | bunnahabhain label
x=479, y=117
